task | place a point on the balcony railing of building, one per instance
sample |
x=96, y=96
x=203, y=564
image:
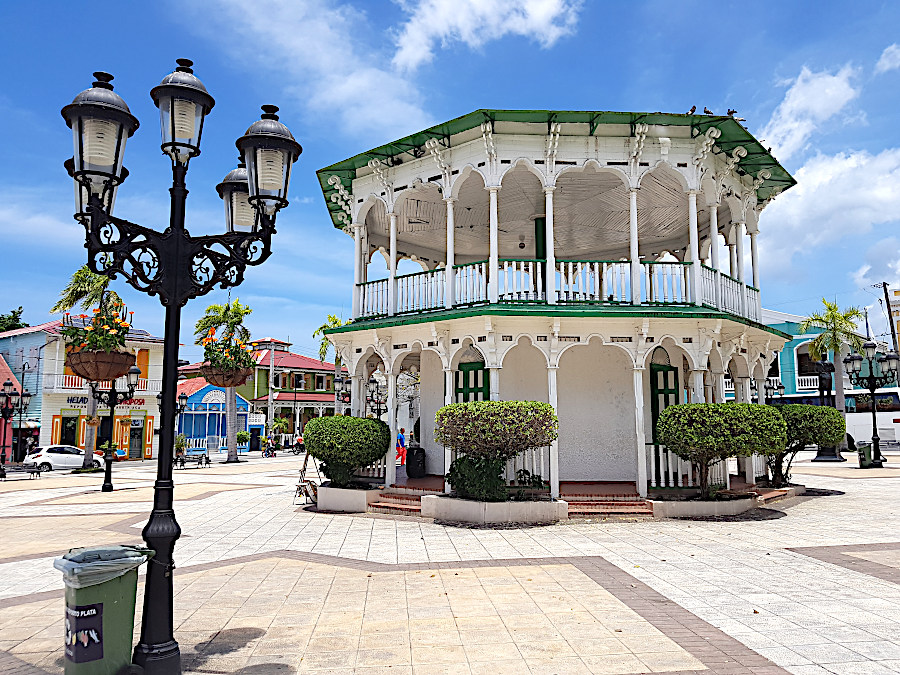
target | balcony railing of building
x=571, y=282
x=774, y=382
x=75, y=383
x=807, y=382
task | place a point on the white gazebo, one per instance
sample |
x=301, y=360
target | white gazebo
x=603, y=262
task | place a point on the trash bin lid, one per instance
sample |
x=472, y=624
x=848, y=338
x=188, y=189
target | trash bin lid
x=94, y=553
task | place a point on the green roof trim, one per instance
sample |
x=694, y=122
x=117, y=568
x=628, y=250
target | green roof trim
x=413, y=146
x=608, y=311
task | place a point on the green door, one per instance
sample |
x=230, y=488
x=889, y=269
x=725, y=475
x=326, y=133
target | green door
x=664, y=390
x=471, y=383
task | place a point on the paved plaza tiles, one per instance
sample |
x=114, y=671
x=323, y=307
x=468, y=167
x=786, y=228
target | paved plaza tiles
x=808, y=586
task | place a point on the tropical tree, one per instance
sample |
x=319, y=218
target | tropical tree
x=87, y=289
x=12, y=320
x=331, y=321
x=228, y=317
x=839, y=330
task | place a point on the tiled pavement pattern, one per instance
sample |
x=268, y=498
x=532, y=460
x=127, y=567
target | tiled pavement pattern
x=730, y=596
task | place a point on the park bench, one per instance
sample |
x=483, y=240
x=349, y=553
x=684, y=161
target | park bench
x=33, y=471
x=308, y=489
x=201, y=459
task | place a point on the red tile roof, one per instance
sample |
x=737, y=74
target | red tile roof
x=191, y=385
x=298, y=396
x=53, y=328
x=281, y=359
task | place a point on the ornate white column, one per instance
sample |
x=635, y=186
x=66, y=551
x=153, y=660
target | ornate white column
x=714, y=251
x=694, y=243
x=392, y=275
x=494, y=383
x=739, y=253
x=448, y=399
x=494, y=256
x=639, y=434
x=357, y=269
x=450, y=275
x=390, y=469
x=633, y=247
x=754, y=257
x=698, y=392
x=554, y=446
x=550, y=274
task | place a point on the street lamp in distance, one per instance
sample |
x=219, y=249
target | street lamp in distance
x=888, y=365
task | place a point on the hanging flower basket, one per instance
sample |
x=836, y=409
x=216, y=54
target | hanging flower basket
x=225, y=377
x=92, y=421
x=98, y=366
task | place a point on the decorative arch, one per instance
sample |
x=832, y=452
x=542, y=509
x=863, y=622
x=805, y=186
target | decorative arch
x=590, y=338
x=460, y=354
x=464, y=174
x=370, y=202
x=663, y=167
x=517, y=342
x=669, y=344
x=597, y=166
x=527, y=164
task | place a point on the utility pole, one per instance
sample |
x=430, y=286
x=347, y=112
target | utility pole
x=887, y=300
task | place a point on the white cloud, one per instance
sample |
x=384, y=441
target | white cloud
x=882, y=264
x=812, y=99
x=320, y=49
x=475, y=22
x=836, y=196
x=890, y=59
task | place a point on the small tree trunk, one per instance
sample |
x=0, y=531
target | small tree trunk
x=704, y=481
x=90, y=435
x=231, y=424
x=778, y=470
x=839, y=401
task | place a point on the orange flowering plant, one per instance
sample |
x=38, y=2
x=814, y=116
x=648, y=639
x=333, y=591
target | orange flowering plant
x=227, y=353
x=105, y=331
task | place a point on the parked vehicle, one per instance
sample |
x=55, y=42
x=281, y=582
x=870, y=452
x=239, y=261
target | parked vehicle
x=53, y=457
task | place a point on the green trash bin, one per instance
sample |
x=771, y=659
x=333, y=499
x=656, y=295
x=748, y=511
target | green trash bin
x=101, y=585
x=865, y=457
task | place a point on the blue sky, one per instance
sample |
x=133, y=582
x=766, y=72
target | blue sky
x=818, y=82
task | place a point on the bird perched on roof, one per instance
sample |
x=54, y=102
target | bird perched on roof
x=731, y=111
x=692, y=110
x=708, y=111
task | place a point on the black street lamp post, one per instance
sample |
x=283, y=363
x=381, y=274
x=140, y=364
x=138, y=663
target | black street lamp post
x=11, y=402
x=377, y=398
x=771, y=390
x=342, y=392
x=888, y=365
x=173, y=265
x=113, y=397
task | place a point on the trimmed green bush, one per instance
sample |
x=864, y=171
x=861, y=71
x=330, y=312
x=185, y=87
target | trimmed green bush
x=705, y=433
x=806, y=425
x=485, y=434
x=242, y=437
x=345, y=444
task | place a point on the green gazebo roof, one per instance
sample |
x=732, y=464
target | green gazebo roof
x=733, y=135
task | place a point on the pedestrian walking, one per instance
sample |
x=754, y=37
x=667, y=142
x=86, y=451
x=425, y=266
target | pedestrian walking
x=401, y=447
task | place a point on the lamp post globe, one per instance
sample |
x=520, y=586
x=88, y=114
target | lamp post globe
x=183, y=104
x=870, y=349
x=101, y=124
x=269, y=150
x=234, y=190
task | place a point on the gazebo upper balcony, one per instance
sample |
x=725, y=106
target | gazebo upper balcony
x=581, y=209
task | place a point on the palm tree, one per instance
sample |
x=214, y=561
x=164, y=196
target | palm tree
x=87, y=289
x=331, y=321
x=228, y=317
x=839, y=330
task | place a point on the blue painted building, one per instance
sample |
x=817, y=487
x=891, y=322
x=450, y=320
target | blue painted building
x=203, y=421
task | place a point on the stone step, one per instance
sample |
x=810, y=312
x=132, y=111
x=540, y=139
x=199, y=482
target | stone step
x=611, y=508
x=400, y=497
x=577, y=499
x=395, y=508
x=403, y=490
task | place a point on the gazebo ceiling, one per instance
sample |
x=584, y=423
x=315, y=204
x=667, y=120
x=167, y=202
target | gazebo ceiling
x=573, y=123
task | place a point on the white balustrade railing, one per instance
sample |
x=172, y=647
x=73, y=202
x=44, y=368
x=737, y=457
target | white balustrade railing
x=730, y=294
x=420, y=291
x=807, y=382
x=708, y=285
x=74, y=382
x=718, y=475
x=373, y=297
x=753, y=309
x=535, y=461
x=665, y=283
x=378, y=468
x=666, y=469
x=593, y=281
x=471, y=283
x=759, y=467
x=521, y=280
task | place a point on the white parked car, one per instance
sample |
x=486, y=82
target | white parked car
x=59, y=457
